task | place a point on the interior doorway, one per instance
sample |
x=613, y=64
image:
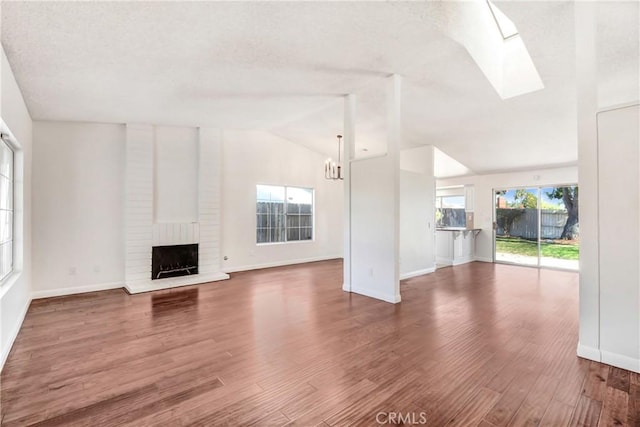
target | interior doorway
x=537, y=226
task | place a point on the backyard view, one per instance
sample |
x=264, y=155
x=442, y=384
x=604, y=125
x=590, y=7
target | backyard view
x=556, y=249
x=538, y=226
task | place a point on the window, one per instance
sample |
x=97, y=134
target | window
x=6, y=209
x=283, y=214
x=450, y=211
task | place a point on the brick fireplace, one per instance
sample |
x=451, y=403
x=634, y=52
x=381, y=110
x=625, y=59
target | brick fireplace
x=144, y=232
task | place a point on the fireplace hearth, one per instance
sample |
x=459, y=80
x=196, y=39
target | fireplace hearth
x=174, y=261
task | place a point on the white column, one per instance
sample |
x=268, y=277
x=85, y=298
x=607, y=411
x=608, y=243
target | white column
x=374, y=212
x=348, y=153
x=138, y=204
x=394, y=138
x=587, y=105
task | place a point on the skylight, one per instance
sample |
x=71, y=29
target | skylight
x=505, y=25
x=493, y=41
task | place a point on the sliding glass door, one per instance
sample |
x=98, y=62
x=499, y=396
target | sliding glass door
x=560, y=244
x=537, y=226
x=517, y=227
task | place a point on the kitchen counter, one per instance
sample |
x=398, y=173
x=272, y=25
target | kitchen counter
x=455, y=245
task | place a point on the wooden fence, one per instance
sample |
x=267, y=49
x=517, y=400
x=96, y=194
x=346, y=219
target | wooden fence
x=524, y=223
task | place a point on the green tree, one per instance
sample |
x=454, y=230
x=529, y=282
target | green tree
x=524, y=200
x=569, y=196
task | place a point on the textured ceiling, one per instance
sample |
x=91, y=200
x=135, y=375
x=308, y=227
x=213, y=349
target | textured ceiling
x=283, y=66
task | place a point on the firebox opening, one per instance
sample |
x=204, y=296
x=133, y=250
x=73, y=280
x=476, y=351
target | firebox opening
x=174, y=261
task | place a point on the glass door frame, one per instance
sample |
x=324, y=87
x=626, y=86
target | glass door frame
x=538, y=207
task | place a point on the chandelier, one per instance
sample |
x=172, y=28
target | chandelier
x=333, y=170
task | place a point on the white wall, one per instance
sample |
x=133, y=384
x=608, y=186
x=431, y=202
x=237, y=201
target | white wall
x=15, y=295
x=619, y=236
x=80, y=194
x=483, y=194
x=176, y=174
x=608, y=140
x=374, y=253
x=417, y=227
x=256, y=157
x=78, y=209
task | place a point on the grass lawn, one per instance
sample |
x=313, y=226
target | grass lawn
x=514, y=245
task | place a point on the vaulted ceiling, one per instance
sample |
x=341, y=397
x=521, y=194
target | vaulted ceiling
x=284, y=66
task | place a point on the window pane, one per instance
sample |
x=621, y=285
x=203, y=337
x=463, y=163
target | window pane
x=306, y=233
x=293, y=208
x=270, y=193
x=262, y=207
x=270, y=201
x=6, y=160
x=262, y=235
x=278, y=213
x=293, y=221
x=6, y=226
x=6, y=253
x=278, y=234
x=306, y=220
x=6, y=206
x=299, y=195
x=453, y=202
x=447, y=217
x=305, y=208
x=6, y=193
x=281, y=221
x=293, y=234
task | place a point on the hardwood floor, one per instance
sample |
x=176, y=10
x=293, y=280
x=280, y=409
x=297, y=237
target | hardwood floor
x=478, y=344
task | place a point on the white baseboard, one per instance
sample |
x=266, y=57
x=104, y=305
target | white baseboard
x=48, y=293
x=279, y=263
x=620, y=361
x=443, y=261
x=587, y=352
x=417, y=273
x=14, y=335
x=346, y=287
x=393, y=299
x=483, y=259
x=609, y=358
x=463, y=261
x=459, y=261
x=173, y=282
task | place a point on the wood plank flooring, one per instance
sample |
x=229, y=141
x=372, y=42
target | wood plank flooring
x=475, y=345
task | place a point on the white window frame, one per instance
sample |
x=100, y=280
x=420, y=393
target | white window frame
x=4, y=277
x=313, y=215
